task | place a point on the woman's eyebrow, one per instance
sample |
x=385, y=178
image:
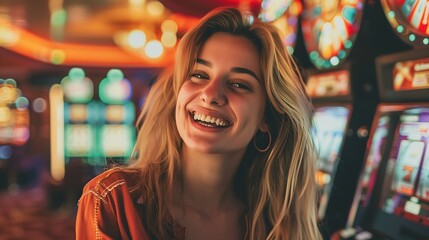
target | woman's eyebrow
x=204, y=62
x=234, y=69
x=246, y=71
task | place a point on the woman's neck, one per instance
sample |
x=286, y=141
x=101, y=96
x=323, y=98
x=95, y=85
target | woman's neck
x=208, y=182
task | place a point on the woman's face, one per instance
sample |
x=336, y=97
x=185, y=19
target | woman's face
x=221, y=104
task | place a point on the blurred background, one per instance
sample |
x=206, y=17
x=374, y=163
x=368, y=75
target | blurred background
x=74, y=75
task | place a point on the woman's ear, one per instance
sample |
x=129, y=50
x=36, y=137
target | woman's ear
x=264, y=127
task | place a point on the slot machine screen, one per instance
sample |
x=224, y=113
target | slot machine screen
x=329, y=126
x=79, y=140
x=117, y=140
x=404, y=203
x=377, y=153
x=374, y=157
x=412, y=74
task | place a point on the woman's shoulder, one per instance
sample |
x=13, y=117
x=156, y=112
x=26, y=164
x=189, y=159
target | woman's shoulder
x=117, y=178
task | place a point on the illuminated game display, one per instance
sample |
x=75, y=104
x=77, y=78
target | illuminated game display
x=80, y=115
x=373, y=160
x=95, y=132
x=98, y=131
x=392, y=199
x=117, y=134
x=406, y=181
x=409, y=19
x=284, y=15
x=376, y=154
x=329, y=126
x=408, y=75
x=334, y=84
x=329, y=29
x=330, y=122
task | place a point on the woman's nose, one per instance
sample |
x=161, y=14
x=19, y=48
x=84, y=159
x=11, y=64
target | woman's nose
x=214, y=93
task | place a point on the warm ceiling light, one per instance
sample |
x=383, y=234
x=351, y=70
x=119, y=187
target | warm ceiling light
x=155, y=8
x=136, y=3
x=136, y=39
x=154, y=49
x=8, y=37
x=169, y=39
x=169, y=26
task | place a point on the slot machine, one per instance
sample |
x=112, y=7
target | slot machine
x=14, y=129
x=340, y=129
x=117, y=132
x=392, y=200
x=14, y=114
x=392, y=180
x=90, y=132
x=93, y=132
x=342, y=88
x=81, y=113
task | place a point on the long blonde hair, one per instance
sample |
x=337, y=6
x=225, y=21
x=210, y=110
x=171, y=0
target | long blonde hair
x=277, y=187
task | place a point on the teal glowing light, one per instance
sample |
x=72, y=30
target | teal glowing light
x=22, y=103
x=412, y=37
x=400, y=29
x=425, y=41
x=115, y=89
x=10, y=81
x=77, y=87
x=314, y=55
x=348, y=44
x=319, y=62
x=58, y=18
x=115, y=75
x=76, y=74
x=349, y=13
x=327, y=64
x=342, y=54
x=391, y=14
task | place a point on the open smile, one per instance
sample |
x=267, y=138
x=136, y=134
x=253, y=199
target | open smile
x=210, y=121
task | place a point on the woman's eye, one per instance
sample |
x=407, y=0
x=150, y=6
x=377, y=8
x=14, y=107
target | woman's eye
x=199, y=76
x=240, y=86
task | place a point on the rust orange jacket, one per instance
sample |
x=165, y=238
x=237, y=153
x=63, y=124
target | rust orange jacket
x=111, y=208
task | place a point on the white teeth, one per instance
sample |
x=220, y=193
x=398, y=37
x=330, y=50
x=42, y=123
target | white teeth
x=209, y=119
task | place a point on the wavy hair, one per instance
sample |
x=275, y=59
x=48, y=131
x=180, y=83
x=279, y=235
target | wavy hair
x=278, y=186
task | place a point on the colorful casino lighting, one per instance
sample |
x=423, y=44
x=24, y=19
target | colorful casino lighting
x=273, y=9
x=5, y=152
x=14, y=114
x=284, y=16
x=56, y=106
x=8, y=91
x=39, y=105
x=136, y=39
x=410, y=19
x=115, y=89
x=77, y=87
x=329, y=29
x=22, y=103
x=154, y=49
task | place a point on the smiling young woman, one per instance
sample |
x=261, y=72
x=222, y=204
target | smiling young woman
x=223, y=151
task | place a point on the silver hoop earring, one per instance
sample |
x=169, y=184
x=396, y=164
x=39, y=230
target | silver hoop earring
x=259, y=148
